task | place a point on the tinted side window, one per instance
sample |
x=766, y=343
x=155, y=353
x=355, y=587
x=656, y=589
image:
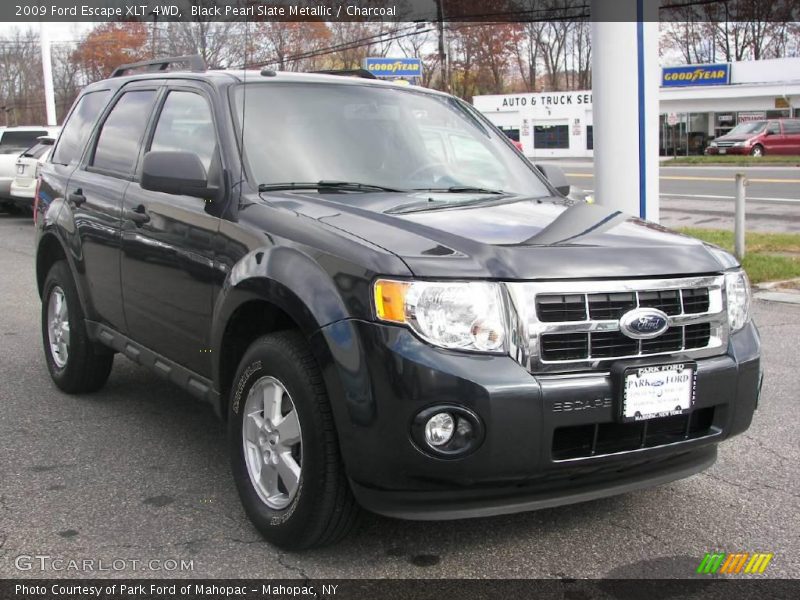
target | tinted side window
x=78, y=127
x=17, y=141
x=118, y=143
x=185, y=124
x=791, y=127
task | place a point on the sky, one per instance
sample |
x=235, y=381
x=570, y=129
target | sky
x=59, y=32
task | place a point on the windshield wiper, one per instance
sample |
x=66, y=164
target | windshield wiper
x=433, y=204
x=348, y=186
x=461, y=189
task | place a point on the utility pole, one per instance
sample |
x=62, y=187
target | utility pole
x=625, y=84
x=443, y=60
x=47, y=72
x=154, y=36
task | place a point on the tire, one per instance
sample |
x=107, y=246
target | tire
x=757, y=150
x=85, y=366
x=320, y=509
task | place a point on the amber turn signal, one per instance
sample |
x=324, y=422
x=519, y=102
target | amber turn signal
x=390, y=297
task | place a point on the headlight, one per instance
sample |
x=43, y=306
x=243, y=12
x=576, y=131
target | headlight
x=458, y=315
x=737, y=295
x=713, y=144
x=739, y=144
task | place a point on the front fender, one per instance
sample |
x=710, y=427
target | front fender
x=52, y=240
x=286, y=278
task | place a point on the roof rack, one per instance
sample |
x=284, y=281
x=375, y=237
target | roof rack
x=194, y=61
x=363, y=73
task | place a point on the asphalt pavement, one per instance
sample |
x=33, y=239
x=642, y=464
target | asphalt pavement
x=138, y=472
x=703, y=196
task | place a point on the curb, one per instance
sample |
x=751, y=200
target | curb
x=771, y=285
x=772, y=291
x=784, y=297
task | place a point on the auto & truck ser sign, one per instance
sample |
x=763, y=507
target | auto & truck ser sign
x=696, y=75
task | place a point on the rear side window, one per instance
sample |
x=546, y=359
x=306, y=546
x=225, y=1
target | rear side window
x=118, y=143
x=791, y=127
x=78, y=127
x=774, y=128
x=185, y=124
x=16, y=141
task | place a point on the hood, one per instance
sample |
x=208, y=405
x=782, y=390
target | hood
x=550, y=238
x=743, y=137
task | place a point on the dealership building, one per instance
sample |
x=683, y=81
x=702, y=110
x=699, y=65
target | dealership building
x=697, y=104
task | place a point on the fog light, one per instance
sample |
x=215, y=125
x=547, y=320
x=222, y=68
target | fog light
x=439, y=429
x=447, y=431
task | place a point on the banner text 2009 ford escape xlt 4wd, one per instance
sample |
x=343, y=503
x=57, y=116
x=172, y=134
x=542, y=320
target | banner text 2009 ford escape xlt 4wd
x=388, y=305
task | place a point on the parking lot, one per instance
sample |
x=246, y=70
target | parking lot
x=138, y=472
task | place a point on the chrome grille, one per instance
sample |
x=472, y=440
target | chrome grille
x=574, y=325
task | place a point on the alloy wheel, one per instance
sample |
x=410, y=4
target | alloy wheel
x=272, y=442
x=58, y=327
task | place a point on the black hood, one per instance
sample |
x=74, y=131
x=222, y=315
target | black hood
x=507, y=239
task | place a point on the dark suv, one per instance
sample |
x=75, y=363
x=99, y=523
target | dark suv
x=385, y=301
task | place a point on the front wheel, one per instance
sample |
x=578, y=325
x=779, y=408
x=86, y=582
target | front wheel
x=284, y=448
x=757, y=150
x=76, y=363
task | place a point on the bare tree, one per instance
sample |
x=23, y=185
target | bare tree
x=21, y=100
x=553, y=45
x=220, y=43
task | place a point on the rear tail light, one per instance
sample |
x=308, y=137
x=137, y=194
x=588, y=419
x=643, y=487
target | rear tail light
x=36, y=199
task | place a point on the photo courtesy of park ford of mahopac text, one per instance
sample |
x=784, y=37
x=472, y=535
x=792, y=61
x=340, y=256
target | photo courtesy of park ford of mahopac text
x=411, y=299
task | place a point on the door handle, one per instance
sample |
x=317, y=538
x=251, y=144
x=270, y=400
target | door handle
x=76, y=198
x=138, y=215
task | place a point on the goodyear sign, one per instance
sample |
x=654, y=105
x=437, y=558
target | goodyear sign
x=394, y=67
x=693, y=75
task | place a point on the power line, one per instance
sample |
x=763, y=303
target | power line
x=342, y=46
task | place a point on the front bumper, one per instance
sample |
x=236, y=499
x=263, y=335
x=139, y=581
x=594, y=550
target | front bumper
x=736, y=150
x=379, y=377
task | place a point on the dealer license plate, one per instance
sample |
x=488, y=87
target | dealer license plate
x=20, y=169
x=723, y=151
x=658, y=391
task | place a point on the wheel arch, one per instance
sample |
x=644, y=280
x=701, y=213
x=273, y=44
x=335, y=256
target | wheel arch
x=268, y=290
x=49, y=250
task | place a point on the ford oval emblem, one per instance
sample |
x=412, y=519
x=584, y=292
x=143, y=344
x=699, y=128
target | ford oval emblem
x=644, y=323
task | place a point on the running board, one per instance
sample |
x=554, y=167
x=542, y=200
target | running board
x=200, y=387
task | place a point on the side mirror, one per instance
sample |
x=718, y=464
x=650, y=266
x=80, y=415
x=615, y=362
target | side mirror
x=179, y=173
x=556, y=178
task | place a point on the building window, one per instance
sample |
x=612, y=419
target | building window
x=551, y=137
x=511, y=132
x=590, y=137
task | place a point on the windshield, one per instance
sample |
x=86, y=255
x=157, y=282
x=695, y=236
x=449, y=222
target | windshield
x=389, y=137
x=745, y=128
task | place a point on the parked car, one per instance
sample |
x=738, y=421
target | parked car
x=380, y=325
x=23, y=186
x=14, y=141
x=757, y=138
